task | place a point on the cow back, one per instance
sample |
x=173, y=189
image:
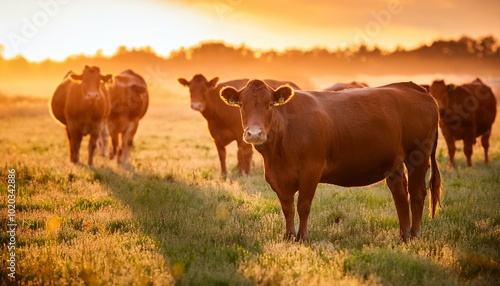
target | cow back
x=357, y=131
x=485, y=112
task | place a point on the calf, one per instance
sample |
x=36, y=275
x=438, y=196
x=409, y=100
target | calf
x=356, y=138
x=467, y=112
x=81, y=103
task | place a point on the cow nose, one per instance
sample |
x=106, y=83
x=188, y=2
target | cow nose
x=92, y=94
x=197, y=106
x=255, y=136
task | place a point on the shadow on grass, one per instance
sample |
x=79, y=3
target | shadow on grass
x=201, y=232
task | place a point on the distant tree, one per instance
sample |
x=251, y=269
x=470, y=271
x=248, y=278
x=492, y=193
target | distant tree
x=121, y=50
x=486, y=46
x=468, y=44
x=180, y=54
x=99, y=54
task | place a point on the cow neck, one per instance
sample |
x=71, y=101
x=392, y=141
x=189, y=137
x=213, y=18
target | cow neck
x=214, y=106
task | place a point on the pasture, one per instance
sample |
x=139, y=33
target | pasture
x=172, y=219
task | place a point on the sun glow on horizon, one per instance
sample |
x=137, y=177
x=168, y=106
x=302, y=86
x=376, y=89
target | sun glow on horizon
x=57, y=29
x=77, y=28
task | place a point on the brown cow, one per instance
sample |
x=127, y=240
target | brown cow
x=356, y=138
x=81, y=103
x=342, y=86
x=467, y=112
x=129, y=103
x=223, y=121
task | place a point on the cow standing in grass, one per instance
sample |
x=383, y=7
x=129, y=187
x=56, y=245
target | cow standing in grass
x=467, y=112
x=356, y=138
x=223, y=121
x=129, y=103
x=81, y=103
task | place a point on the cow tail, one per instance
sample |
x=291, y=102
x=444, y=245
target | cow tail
x=435, y=181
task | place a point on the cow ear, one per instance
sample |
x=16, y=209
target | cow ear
x=183, y=81
x=282, y=95
x=106, y=78
x=76, y=76
x=213, y=82
x=230, y=96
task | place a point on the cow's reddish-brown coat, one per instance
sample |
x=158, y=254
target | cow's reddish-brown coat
x=467, y=112
x=81, y=103
x=342, y=86
x=129, y=103
x=355, y=138
x=223, y=121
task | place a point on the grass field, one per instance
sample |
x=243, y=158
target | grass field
x=174, y=220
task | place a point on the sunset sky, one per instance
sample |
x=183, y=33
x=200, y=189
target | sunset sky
x=40, y=29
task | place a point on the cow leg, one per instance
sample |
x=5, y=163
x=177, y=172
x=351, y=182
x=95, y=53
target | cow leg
x=308, y=182
x=103, y=141
x=126, y=137
x=245, y=152
x=418, y=192
x=74, y=143
x=221, y=150
x=114, y=145
x=94, y=136
x=451, y=150
x=131, y=139
x=468, y=144
x=485, y=142
x=288, y=208
x=69, y=143
x=396, y=182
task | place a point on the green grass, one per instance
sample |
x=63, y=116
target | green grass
x=172, y=219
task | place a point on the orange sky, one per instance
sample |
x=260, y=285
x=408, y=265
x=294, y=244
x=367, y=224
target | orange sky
x=40, y=29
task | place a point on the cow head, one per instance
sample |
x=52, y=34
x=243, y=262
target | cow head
x=132, y=91
x=439, y=90
x=91, y=81
x=199, y=89
x=256, y=102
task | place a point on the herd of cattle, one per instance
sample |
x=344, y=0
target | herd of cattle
x=348, y=134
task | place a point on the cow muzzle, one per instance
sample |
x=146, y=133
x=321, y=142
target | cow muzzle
x=198, y=106
x=92, y=95
x=254, y=136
